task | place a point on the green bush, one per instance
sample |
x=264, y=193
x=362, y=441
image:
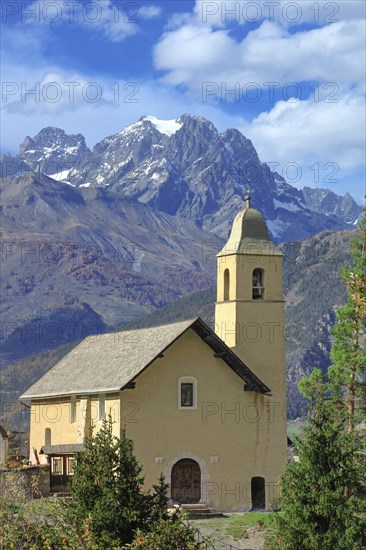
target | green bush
x=173, y=533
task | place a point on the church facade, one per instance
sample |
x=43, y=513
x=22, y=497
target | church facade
x=205, y=408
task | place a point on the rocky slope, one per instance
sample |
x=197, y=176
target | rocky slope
x=66, y=245
x=326, y=202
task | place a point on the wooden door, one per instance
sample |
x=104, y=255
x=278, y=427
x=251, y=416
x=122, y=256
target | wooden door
x=186, y=481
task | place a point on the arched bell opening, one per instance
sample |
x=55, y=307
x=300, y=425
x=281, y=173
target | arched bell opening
x=258, y=284
x=226, y=285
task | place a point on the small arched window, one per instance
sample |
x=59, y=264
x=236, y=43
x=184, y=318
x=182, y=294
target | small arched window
x=73, y=409
x=258, y=284
x=226, y=284
x=47, y=436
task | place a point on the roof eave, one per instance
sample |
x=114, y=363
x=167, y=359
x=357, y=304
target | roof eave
x=253, y=247
x=28, y=397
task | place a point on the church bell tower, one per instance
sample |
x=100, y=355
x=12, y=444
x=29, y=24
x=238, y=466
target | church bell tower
x=249, y=313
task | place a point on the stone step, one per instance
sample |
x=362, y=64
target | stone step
x=62, y=494
x=194, y=506
x=202, y=511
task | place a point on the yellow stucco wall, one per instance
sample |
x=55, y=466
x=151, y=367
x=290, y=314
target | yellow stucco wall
x=233, y=435
x=55, y=414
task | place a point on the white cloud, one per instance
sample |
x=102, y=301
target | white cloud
x=149, y=11
x=308, y=131
x=192, y=55
x=199, y=52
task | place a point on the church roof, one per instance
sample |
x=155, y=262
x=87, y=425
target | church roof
x=249, y=235
x=108, y=362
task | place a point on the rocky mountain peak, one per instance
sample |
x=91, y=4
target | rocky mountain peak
x=185, y=167
x=329, y=203
x=52, y=150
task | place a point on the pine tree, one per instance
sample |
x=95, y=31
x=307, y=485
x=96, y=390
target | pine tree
x=107, y=488
x=348, y=354
x=315, y=513
x=348, y=370
x=324, y=492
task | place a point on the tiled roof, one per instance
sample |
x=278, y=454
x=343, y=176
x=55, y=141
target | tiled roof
x=69, y=449
x=106, y=363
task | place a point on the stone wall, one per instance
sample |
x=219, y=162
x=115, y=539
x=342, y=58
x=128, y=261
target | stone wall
x=26, y=482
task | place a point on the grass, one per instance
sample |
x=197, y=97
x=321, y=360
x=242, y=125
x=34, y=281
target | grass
x=238, y=524
x=234, y=527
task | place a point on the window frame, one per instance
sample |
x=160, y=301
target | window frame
x=70, y=464
x=187, y=380
x=57, y=464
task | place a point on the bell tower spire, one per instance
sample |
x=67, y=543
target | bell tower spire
x=249, y=314
x=250, y=318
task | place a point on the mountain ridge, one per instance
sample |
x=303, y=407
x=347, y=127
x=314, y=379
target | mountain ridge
x=186, y=167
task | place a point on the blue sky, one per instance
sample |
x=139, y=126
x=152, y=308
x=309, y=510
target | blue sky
x=289, y=75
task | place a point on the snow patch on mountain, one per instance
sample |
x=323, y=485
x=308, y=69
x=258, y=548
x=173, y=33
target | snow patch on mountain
x=60, y=176
x=128, y=129
x=167, y=127
x=277, y=228
x=290, y=206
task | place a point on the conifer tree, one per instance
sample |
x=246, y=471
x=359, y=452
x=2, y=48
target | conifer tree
x=348, y=353
x=315, y=513
x=324, y=492
x=107, y=488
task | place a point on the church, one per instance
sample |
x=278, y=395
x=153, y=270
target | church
x=205, y=408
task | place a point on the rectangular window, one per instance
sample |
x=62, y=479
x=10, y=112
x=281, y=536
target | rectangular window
x=56, y=465
x=73, y=410
x=186, y=394
x=101, y=408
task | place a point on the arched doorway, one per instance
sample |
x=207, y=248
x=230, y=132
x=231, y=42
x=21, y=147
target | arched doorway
x=258, y=493
x=186, y=481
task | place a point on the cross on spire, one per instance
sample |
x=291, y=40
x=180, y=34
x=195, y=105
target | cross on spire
x=248, y=197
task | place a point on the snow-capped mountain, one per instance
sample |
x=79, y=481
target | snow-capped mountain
x=52, y=150
x=186, y=167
